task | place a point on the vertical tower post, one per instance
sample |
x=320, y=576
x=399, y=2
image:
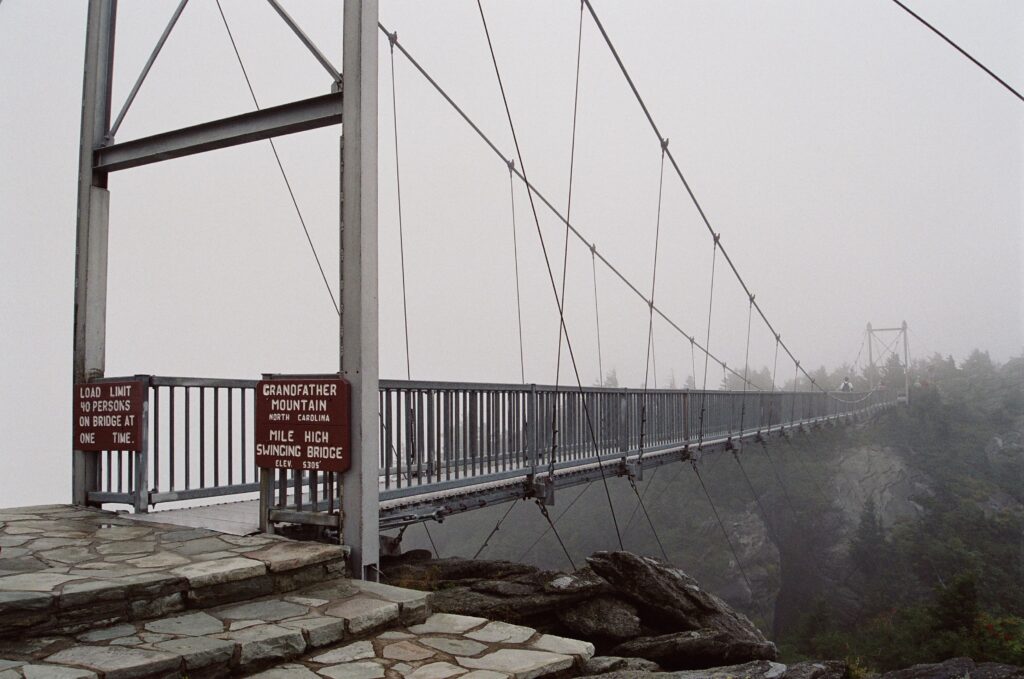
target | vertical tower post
x=90, y=330
x=871, y=358
x=358, y=332
x=906, y=361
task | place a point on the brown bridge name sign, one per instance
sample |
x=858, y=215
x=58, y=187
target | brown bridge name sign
x=303, y=424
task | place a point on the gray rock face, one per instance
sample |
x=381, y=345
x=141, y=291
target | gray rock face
x=708, y=631
x=762, y=669
x=696, y=649
x=954, y=668
x=603, y=664
x=627, y=605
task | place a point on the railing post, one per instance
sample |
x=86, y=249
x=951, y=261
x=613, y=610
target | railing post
x=531, y=429
x=141, y=480
x=624, y=421
x=266, y=488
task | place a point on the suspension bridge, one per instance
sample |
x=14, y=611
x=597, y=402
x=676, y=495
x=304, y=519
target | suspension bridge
x=422, y=450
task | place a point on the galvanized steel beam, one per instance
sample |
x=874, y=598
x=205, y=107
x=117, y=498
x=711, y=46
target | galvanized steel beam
x=298, y=116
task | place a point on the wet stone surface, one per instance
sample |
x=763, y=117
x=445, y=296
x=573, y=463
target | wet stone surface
x=67, y=569
x=126, y=588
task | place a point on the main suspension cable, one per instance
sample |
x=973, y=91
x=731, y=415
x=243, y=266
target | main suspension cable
x=683, y=180
x=532, y=191
x=961, y=50
x=280, y=165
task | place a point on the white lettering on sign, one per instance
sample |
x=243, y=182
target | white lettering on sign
x=306, y=389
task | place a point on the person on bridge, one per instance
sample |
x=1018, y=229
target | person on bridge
x=846, y=385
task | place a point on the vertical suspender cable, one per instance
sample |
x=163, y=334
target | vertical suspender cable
x=650, y=304
x=550, y=272
x=707, y=343
x=746, y=366
x=565, y=246
x=515, y=256
x=398, y=186
x=597, y=316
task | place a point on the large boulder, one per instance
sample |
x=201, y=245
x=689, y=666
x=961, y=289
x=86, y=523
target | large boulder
x=702, y=630
x=955, y=668
x=761, y=669
x=696, y=649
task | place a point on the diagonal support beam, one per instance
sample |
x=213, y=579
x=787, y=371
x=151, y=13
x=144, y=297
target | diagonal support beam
x=298, y=116
x=310, y=45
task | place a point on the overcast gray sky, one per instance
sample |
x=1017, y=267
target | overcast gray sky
x=857, y=167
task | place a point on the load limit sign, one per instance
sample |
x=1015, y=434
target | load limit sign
x=303, y=424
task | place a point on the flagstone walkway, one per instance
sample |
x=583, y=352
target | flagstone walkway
x=87, y=594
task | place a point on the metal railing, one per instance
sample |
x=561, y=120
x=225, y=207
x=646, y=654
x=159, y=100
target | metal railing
x=437, y=435
x=198, y=440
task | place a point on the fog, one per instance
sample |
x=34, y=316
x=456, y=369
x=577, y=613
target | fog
x=858, y=169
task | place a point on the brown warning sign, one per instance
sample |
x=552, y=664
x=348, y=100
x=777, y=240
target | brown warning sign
x=108, y=416
x=303, y=424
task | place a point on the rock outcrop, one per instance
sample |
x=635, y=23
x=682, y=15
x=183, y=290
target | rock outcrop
x=625, y=604
x=760, y=669
x=957, y=668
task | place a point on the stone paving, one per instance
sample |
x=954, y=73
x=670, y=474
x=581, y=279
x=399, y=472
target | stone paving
x=305, y=628
x=66, y=569
x=86, y=594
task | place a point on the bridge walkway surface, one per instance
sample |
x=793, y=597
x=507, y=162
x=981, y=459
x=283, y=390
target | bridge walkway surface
x=87, y=594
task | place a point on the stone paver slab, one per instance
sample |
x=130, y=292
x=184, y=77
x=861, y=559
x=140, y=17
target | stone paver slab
x=357, y=651
x=118, y=662
x=501, y=633
x=319, y=631
x=190, y=624
x=108, y=633
x=565, y=646
x=24, y=601
x=270, y=610
x=447, y=623
x=199, y=651
x=364, y=614
x=55, y=672
x=127, y=547
x=286, y=557
x=158, y=560
x=465, y=647
x=436, y=670
x=208, y=573
x=287, y=672
x=307, y=601
x=268, y=642
x=34, y=582
x=406, y=650
x=484, y=674
x=520, y=663
x=354, y=670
